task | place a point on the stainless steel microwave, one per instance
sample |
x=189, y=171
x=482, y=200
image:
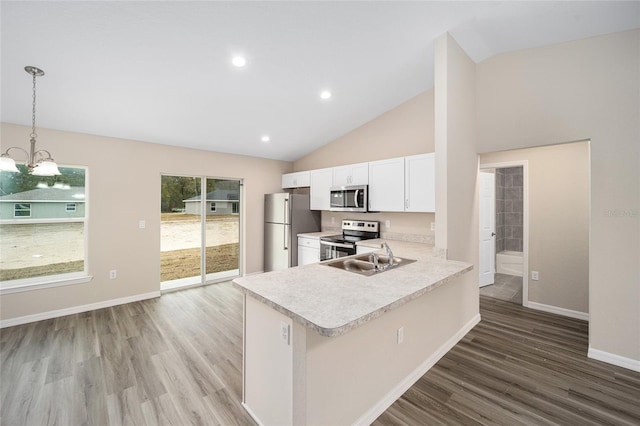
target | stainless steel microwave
x=353, y=198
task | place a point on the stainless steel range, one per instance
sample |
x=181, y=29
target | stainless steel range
x=345, y=245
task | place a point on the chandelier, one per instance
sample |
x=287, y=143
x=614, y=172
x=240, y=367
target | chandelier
x=39, y=162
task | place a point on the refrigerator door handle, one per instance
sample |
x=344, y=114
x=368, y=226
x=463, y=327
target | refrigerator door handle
x=286, y=211
x=286, y=237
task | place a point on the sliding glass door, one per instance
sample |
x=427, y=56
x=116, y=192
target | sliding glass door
x=200, y=235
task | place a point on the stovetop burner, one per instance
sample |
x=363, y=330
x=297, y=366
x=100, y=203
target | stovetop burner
x=355, y=230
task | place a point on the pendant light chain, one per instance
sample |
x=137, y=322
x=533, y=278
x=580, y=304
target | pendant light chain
x=33, y=115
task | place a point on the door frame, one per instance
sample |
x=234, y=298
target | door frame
x=525, y=218
x=177, y=285
x=481, y=211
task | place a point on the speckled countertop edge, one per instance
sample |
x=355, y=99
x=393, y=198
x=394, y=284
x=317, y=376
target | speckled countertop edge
x=293, y=292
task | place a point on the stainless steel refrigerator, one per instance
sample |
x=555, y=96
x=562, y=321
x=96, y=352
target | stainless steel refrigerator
x=285, y=216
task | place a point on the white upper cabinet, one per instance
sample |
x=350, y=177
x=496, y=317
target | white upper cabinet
x=320, y=192
x=295, y=180
x=352, y=174
x=420, y=183
x=386, y=185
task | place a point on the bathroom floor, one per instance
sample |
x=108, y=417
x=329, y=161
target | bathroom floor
x=506, y=287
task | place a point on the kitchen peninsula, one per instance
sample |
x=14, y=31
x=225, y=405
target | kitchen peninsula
x=327, y=346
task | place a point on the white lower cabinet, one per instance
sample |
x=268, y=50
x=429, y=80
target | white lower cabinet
x=308, y=250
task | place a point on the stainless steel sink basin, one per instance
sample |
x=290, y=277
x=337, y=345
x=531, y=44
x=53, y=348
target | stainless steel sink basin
x=362, y=265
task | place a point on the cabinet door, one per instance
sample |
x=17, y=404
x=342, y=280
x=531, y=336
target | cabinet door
x=308, y=250
x=295, y=180
x=420, y=186
x=341, y=175
x=360, y=174
x=320, y=192
x=351, y=174
x=386, y=185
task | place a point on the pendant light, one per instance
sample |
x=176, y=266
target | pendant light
x=39, y=162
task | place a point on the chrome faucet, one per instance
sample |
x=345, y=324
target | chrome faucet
x=389, y=254
x=373, y=258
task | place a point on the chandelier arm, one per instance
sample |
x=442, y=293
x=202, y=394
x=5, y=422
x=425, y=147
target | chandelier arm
x=39, y=152
x=6, y=153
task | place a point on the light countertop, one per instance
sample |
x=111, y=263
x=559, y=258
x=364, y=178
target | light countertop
x=319, y=234
x=332, y=301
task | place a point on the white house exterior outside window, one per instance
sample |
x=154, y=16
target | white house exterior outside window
x=42, y=229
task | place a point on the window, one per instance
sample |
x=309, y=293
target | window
x=234, y=207
x=22, y=210
x=42, y=229
x=213, y=207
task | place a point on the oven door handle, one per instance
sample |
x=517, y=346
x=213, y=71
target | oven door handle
x=332, y=244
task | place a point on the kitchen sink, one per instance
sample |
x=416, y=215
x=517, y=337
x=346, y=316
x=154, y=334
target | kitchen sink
x=363, y=264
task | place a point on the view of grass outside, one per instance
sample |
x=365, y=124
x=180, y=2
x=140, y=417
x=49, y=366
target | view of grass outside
x=181, y=227
x=179, y=230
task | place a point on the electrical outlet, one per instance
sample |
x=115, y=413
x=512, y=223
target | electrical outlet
x=333, y=220
x=387, y=223
x=142, y=224
x=433, y=226
x=400, y=335
x=535, y=275
x=113, y=274
x=284, y=332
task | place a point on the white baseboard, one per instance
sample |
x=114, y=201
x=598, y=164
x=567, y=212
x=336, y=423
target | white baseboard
x=395, y=393
x=76, y=309
x=560, y=311
x=620, y=361
x=253, y=416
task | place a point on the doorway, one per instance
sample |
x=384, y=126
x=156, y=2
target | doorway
x=199, y=230
x=504, y=231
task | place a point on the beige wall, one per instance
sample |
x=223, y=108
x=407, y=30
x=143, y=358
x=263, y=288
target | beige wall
x=558, y=221
x=583, y=90
x=402, y=131
x=456, y=164
x=124, y=187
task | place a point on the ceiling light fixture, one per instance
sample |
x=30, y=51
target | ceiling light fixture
x=325, y=94
x=39, y=162
x=265, y=138
x=239, y=61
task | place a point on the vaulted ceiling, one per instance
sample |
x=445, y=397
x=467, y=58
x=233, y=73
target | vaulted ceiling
x=161, y=71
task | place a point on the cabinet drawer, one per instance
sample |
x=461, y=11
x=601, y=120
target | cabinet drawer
x=309, y=242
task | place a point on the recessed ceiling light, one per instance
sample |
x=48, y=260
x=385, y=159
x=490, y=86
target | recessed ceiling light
x=265, y=138
x=325, y=94
x=239, y=61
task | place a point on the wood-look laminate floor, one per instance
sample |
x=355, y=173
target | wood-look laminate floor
x=520, y=366
x=177, y=360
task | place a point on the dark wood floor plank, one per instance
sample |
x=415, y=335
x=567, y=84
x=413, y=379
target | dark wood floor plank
x=524, y=366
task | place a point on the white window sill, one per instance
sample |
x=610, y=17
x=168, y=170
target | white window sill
x=18, y=286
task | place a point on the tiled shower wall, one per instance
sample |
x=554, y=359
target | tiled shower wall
x=509, y=209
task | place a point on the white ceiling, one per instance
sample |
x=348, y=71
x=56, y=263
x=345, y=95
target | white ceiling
x=160, y=71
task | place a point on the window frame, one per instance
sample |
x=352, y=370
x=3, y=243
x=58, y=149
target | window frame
x=55, y=280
